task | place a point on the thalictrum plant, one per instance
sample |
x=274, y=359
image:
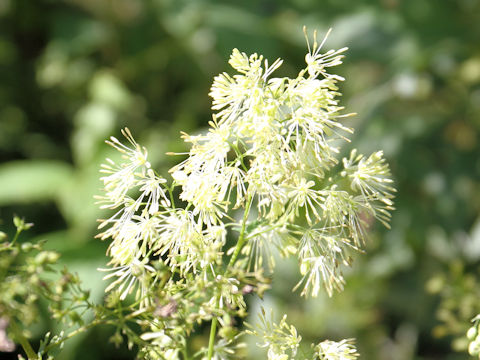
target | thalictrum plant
x=266, y=174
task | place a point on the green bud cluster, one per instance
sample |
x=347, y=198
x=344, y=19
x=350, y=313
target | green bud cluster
x=473, y=337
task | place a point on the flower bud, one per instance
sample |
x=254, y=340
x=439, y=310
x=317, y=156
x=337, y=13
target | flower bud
x=474, y=348
x=26, y=247
x=472, y=333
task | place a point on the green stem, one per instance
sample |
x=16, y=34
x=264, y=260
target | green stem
x=211, y=341
x=23, y=342
x=239, y=154
x=172, y=200
x=185, y=354
x=78, y=331
x=240, y=243
x=9, y=247
x=263, y=231
x=241, y=237
x=17, y=234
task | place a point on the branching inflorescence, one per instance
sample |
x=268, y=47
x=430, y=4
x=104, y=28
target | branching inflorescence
x=267, y=173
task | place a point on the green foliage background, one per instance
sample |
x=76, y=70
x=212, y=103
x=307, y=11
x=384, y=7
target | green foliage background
x=74, y=72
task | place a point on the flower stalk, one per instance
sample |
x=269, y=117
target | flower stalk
x=23, y=341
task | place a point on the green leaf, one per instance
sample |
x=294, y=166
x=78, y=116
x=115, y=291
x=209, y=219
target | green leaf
x=32, y=180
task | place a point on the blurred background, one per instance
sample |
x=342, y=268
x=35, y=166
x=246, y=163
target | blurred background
x=74, y=72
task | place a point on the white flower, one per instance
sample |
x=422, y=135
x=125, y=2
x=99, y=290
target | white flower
x=124, y=247
x=279, y=338
x=228, y=294
x=131, y=234
x=135, y=274
x=121, y=178
x=150, y=186
x=185, y=244
x=337, y=350
x=176, y=232
x=240, y=94
x=226, y=92
x=234, y=180
x=320, y=253
x=118, y=183
x=162, y=343
x=276, y=354
x=203, y=191
x=207, y=178
x=370, y=175
x=316, y=62
x=341, y=211
x=119, y=219
x=320, y=270
x=302, y=195
x=265, y=239
x=208, y=152
x=314, y=113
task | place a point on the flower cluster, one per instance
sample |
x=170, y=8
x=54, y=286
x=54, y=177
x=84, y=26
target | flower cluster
x=271, y=152
x=283, y=342
x=281, y=339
